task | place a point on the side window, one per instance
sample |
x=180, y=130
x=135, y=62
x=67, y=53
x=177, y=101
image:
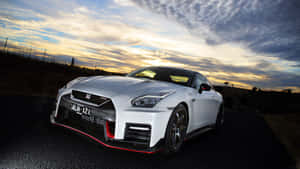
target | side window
x=204, y=80
x=198, y=81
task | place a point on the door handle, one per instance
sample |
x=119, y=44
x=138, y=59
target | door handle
x=193, y=100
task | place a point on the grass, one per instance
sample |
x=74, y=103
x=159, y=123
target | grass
x=287, y=128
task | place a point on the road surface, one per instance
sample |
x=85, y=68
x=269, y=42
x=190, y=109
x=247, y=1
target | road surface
x=28, y=141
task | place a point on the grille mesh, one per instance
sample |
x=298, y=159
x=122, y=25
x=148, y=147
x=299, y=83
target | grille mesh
x=89, y=97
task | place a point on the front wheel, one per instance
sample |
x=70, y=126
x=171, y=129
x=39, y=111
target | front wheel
x=176, y=130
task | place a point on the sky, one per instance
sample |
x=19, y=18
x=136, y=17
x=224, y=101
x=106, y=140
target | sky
x=246, y=43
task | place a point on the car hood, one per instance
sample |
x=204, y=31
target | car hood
x=111, y=86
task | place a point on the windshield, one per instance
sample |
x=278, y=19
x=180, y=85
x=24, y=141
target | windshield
x=173, y=75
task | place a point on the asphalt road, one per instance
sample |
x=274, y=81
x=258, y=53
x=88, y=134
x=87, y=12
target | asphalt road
x=28, y=141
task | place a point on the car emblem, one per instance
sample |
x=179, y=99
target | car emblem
x=88, y=96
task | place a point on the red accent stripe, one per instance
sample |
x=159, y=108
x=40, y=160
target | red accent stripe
x=106, y=145
x=109, y=134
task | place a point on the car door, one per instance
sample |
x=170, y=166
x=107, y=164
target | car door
x=214, y=106
x=204, y=104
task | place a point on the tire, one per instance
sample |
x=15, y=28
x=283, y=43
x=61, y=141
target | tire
x=219, y=120
x=176, y=130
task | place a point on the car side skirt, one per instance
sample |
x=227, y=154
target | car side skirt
x=197, y=132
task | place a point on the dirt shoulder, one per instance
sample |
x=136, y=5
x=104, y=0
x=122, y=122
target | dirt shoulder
x=287, y=128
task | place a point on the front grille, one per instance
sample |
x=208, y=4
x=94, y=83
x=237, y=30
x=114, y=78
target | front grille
x=92, y=123
x=106, y=111
x=74, y=120
x=95, y=99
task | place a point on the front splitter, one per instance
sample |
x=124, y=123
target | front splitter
x=153, y=150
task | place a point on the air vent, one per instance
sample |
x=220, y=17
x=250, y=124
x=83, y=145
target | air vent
x=138, y=133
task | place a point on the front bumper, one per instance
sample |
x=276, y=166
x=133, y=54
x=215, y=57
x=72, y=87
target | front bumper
x=120, y=131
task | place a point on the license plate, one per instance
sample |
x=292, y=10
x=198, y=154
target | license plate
x=81, y=109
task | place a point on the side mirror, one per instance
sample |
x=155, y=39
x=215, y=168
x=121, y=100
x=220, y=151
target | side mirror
x=204, y=87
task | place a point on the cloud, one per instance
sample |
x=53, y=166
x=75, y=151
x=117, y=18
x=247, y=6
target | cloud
x=124, y=2
x=269, y=26
x=253, y=76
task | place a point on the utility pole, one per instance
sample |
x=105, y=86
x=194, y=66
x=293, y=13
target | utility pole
x=72, y=62
x=45, y=53
x=5, y=45
x=30, y=52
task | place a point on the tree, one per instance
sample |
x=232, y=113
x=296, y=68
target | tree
x=289, y=91
x=254, y=89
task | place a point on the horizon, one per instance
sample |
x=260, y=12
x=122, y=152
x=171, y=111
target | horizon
x=50, y=60
x=238, y=42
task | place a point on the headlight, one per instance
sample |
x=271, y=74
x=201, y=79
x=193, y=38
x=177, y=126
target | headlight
x=150, y=100
x=72, y=82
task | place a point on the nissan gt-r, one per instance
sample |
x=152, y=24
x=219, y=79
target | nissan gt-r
x=149, y=110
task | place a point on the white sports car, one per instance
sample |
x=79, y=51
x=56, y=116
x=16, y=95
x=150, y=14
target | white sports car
x=150, y=109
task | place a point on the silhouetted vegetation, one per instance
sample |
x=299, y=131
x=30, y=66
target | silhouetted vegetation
x=28, y=76
x=260, y=101
x=226, y=83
